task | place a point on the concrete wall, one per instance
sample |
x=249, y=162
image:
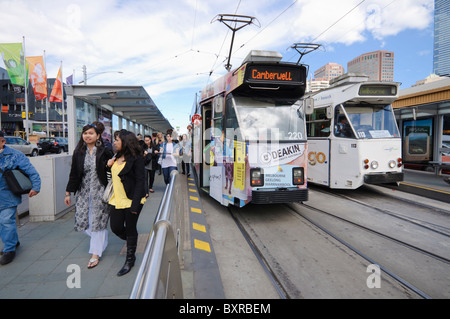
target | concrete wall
x=49, y=205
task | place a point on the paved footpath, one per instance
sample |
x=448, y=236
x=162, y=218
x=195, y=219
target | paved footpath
x=52, y=254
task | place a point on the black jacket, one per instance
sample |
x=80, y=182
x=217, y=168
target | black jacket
x=133, y=180
x=77, y=169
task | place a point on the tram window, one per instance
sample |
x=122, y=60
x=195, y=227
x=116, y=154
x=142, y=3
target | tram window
x=317, y=123
x=372, y=120
x=231, y=121
x=342, y=126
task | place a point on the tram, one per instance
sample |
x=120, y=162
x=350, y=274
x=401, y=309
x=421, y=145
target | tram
x=249, y=133
x=353, y=136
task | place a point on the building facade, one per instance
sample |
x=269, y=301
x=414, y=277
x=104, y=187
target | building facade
x=441, y=50
x=329, y=71
x=378, y=65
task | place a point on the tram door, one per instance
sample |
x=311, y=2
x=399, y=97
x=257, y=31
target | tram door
x=206, y=145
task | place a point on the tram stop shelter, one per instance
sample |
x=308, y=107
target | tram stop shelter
x=423, y=114
x=127, y=102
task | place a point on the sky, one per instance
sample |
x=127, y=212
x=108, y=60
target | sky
x=175, y=48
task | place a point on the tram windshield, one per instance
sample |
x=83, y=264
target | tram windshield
x=270, y=118
x=372, y=121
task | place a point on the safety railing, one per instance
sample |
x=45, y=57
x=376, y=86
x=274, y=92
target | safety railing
x=159, y=276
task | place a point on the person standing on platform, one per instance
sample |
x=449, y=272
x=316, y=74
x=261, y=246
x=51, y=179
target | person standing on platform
x=12, y=159
x=128, y=176
x=185, y=152
x=169, y=152
x=87, y=180
x=150, y=158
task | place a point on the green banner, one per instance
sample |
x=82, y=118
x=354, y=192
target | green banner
x=13, y=57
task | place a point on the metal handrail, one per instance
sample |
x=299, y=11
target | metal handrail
x=159, y=276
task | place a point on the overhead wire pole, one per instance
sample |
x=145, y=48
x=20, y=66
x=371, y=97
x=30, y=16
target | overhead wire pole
x=228, y=19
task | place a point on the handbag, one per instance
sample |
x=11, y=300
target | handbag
x=108, y=191
x=18, y=182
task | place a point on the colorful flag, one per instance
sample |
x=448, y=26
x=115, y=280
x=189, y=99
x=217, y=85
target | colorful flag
x=38, y=77
x=13, y=57
x=69, y=80
x=56, y=95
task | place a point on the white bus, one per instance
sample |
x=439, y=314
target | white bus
x=353, y=136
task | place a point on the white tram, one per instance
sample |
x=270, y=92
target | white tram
x=353, y=136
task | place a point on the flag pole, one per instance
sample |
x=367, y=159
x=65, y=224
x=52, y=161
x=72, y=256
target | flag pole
x=62, y=102
x=47, y=102
x=26, y=92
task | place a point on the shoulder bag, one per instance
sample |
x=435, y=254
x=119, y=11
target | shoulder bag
x=18, y=182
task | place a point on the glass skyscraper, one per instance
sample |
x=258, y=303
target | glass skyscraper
x=441, y=55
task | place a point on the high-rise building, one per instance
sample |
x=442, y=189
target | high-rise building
x=378, y=65
x=441, y=54
x=329, y=71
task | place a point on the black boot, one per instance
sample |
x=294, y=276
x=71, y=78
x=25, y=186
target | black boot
x=131, y=257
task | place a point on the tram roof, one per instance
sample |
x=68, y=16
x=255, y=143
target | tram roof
x=132, y=102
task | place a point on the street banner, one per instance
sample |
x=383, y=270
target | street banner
x=13, y=57
x=38, y=76
x=56, y=95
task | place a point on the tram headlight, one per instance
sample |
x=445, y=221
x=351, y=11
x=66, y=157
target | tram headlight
x=392, y=164
x=298, y=176
x=256, y=177
x=374, y=164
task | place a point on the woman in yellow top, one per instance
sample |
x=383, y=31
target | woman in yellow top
x=127, y=170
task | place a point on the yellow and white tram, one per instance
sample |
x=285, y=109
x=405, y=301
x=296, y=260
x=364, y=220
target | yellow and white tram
x=353, y=136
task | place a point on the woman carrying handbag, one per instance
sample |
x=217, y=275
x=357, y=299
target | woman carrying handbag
x=87, y=180
x=127, y=171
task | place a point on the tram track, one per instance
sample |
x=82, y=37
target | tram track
x=261, y=259
x=445, y=231
x=348, y=245
x=400, y=242
x=279, y=272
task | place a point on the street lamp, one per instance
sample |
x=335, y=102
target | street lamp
x=94, y=74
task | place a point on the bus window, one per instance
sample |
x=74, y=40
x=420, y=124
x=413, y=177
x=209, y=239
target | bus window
x=342, y=126
x=317, y=123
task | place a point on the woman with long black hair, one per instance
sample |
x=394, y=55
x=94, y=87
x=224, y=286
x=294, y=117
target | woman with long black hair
x=87, y=180
x=128, y=176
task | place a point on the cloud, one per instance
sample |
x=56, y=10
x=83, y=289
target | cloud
x=170, y=45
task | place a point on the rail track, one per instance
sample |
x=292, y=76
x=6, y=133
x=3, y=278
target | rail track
x=390, y=245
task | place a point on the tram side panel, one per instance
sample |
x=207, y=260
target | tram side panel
x=319, y=161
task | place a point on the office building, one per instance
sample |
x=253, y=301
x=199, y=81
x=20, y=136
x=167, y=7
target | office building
x=329, y=71
x=441, y=52
x=378, y=65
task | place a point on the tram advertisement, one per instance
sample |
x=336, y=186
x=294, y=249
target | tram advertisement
x=232, y=160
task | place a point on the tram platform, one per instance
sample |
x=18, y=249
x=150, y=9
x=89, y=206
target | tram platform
x=426, y=184
x=52, y=254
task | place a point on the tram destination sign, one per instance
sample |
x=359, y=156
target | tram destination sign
x=274, y=74
x=377, y=90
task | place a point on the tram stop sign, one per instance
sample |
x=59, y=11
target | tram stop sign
x=196, y=119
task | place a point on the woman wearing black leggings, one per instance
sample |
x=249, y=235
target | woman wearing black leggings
x=127, y=171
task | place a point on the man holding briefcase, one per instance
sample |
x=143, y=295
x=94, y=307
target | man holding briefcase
x=12, y=159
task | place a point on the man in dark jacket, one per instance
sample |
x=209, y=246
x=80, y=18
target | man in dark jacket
x=12, y=159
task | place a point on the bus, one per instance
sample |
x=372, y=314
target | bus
x=353, y=137
x=249, y=133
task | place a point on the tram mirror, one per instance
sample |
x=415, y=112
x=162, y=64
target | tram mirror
x=330, y=112
x=309, y=105
x=218, y=105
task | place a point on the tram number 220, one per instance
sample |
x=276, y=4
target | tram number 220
x=316, y=157
x=295, y=135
